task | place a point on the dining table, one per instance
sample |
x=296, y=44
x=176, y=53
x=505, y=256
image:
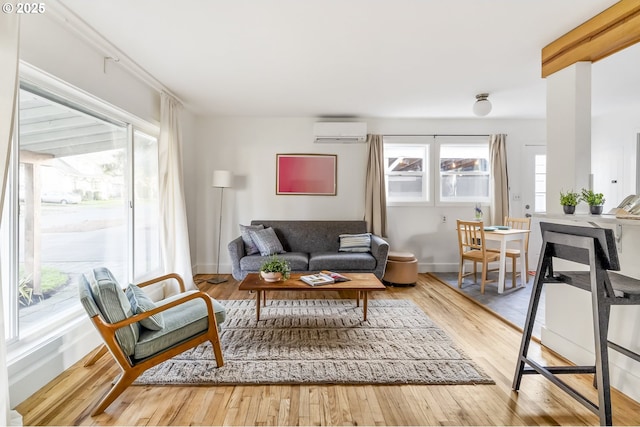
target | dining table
x=505, y=235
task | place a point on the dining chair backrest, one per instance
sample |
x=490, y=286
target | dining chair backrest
x=471, y=236
x=519, y=224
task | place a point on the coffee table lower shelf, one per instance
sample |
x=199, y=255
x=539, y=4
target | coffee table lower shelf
x=360, y=283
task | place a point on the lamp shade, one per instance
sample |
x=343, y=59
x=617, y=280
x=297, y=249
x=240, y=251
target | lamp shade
x=222, y=179
x=482, y=107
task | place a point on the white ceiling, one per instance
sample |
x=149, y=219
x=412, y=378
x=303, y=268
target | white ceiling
x=368, y=58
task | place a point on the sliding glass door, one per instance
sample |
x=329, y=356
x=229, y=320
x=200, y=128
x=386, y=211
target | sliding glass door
x=85, y=194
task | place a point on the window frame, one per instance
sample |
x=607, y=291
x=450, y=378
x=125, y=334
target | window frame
x=426, y=142
x=459, y=201
x=42, y=84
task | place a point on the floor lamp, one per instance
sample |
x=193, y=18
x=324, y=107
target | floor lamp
x=221, y=180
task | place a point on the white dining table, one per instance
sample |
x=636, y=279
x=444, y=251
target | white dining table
x=504, y=237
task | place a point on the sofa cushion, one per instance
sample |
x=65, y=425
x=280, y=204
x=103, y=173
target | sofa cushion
x=341, y=261
x=297, y=260
x=114, y=306
x=355, y=242
x=314, y=235
x=140, y=303
x=250, y=247
x=266, y=241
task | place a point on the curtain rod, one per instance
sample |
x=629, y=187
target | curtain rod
x=435, y=135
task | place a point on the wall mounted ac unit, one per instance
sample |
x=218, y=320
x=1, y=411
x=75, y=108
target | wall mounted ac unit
x=340, y=132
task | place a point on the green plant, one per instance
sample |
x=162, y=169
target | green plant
x=276, y=265
x=592, y=199
x=26, y=292
x=570, y=198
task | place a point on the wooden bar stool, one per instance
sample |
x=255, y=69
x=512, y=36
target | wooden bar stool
x=596, y=248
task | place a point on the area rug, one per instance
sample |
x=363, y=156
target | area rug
x=324, y=342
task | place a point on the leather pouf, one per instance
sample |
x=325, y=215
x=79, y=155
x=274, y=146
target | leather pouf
x=402, y=269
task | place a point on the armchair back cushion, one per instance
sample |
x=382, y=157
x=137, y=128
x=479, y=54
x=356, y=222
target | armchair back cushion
x=103, y=295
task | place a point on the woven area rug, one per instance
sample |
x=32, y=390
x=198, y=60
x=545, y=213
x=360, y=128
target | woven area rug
x=324, y=342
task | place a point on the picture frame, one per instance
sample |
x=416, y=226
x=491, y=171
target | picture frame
x=306, y=174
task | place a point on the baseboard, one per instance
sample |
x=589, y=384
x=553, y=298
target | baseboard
x=622, y=370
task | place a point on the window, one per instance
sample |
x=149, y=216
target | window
x=463, y=171
x=406, y=161
x=540, y=204
x=82, y=193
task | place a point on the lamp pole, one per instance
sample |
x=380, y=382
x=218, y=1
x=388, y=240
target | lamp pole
x=222, y=180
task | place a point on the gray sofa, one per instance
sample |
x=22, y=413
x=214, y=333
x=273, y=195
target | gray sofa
x=313, y=246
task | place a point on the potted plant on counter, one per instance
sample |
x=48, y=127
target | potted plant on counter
x=569, y=201
x=275, y=269
x=594, y=200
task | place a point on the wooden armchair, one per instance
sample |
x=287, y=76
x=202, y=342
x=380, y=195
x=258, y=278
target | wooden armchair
x=472, y=246
x=139, y=333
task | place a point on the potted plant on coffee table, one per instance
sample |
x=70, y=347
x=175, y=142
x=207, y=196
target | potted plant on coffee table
x=594, y=200
x=275, y=269
x=569, y=201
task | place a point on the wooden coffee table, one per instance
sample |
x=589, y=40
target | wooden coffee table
x=361, y=283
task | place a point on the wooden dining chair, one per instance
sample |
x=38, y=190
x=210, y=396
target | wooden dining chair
x=472, y=245
x=514, y=254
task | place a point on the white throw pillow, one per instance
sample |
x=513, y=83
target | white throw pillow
x=355, y=242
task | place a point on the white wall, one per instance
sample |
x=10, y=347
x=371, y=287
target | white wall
x=248, y=146
x=50, y=46
x=614, y=140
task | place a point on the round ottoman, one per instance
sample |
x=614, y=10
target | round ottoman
x=402, y=269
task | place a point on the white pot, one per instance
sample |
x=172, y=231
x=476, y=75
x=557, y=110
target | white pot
x=271, y=277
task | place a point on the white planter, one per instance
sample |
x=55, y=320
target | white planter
x=271, y=277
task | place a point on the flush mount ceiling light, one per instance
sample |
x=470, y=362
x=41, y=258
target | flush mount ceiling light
x=482, y=107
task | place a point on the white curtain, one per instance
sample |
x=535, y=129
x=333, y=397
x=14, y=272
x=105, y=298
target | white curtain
x=375, y=213
x=9, y=48
x=174, y=234
x=499, y=178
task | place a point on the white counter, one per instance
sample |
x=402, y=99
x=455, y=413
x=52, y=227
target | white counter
x=568, y=326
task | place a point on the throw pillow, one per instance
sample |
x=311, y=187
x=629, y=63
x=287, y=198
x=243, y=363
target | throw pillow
x=250, y=247
x=355, y=242
x=266, y=241
x=140, y=303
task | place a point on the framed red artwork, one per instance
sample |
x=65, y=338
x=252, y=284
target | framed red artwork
x=308, y=174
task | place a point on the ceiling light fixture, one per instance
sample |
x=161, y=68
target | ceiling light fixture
x=482, y=107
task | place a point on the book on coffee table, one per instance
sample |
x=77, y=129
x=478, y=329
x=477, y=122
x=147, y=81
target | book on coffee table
x=317, y=279
x=323, y=278
x=337, y=277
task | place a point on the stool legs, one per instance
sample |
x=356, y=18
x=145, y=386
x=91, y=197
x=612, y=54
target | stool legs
x=601, y=312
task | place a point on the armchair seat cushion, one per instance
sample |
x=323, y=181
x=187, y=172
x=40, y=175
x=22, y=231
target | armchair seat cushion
x=341, y=261
x=180, y=323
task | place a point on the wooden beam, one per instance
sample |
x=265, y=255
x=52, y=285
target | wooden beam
x=33, y=157
x=614, y=29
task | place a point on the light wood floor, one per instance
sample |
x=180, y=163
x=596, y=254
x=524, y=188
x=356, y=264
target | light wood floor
x=490, y=342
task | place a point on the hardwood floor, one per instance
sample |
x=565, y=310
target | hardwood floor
x=491, y=343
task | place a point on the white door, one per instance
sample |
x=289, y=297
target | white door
x=534, y=194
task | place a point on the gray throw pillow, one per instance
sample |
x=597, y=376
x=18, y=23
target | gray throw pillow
x=250, y=247
x=140, y=303
x=267, y=241
x=355, y=242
